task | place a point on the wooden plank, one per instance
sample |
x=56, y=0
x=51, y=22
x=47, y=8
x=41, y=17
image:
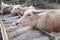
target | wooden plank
x=3, y=30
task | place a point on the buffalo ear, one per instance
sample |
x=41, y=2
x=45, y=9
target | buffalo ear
x=38, y=12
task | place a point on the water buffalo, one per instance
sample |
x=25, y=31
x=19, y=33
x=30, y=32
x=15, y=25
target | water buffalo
x=48, y=21
x=18, y=9
x=5, y=8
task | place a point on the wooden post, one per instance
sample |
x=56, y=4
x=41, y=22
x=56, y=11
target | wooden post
x=56, y=1
x=3, y=30
x=0, y=5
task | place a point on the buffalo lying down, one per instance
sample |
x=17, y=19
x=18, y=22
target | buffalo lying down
x=48, y=21
x=18, y=9
x=5, y=8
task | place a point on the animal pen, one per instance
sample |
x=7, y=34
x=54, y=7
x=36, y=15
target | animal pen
x=6, y=21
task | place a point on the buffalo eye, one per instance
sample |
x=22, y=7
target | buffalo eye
x=28, y=14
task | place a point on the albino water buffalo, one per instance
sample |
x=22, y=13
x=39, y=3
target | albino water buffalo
x=49, y=21
x=18, y=9
x=29, y=11
x=5, y=8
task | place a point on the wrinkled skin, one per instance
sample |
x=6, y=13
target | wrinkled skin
x=49, y=21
